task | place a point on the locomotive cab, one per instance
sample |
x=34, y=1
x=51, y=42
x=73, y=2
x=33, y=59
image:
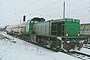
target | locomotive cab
x=37, y=20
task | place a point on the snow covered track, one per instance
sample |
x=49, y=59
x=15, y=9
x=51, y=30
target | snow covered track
x=85, y=51
x=80, y=55
x=3, y=37
x=22, y=50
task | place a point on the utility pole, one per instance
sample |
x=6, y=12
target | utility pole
x=64, y=10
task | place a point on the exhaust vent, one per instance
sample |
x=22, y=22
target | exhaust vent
x=24, y=18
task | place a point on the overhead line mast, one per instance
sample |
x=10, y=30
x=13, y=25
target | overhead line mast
x=64, y=10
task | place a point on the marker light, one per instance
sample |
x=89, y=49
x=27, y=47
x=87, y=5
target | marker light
x=66, y=33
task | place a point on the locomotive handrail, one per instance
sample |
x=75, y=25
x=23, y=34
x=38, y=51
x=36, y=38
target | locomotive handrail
x=61, y=29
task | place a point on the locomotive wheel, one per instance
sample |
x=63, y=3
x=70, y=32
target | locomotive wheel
x=45, y=42
x=42, y=41
x=58, y=48
x=72, y=45
x=38, y=40
x=79, y=45
x=52, y=45
x=66, y=46
x=58, y=45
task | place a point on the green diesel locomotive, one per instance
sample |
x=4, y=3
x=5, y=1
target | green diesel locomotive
x=56, y=34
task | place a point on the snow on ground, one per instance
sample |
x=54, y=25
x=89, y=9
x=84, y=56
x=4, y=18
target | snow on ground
x=22, y=50
x=85, y=51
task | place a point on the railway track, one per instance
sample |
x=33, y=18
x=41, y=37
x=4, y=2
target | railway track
x=79, y=55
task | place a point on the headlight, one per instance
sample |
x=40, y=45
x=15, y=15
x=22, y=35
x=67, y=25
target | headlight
x=78, y=33
x=66, y=33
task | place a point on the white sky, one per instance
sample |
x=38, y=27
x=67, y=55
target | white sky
x=11, y=11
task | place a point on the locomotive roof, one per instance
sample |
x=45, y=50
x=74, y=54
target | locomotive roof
x=42, y=20
x=66, y=19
